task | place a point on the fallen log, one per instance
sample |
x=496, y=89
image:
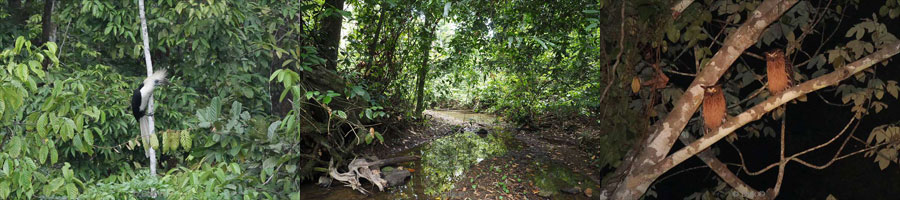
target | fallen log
x=362, y=168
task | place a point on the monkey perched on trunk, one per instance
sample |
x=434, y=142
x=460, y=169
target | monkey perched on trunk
x=779, y=71
x=713, y=107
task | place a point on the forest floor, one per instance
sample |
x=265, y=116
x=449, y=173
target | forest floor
x=547, y=161
x=543, y=161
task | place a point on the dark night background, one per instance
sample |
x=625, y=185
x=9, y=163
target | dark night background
x=808, y=124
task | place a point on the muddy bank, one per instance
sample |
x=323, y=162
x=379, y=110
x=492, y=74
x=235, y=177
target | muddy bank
x=469, y=155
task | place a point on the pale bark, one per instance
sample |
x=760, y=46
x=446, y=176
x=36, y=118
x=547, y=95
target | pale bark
x=722, y=170
x=756, y=112
x=680, y=6
x=150, y=152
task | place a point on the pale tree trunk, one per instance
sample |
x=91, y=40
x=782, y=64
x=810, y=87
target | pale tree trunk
x=428, y=32
x=150, y=152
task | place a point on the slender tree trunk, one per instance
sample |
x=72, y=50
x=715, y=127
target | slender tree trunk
x=48, y=28
x=331, y=34
x=48, y=33
x=150, y=152
x=423, y=70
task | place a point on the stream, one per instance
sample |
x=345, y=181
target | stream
x=454, y=167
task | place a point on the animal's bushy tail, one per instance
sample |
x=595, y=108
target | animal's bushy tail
x=145, y=134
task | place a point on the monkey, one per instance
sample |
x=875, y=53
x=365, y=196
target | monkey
x=713, y=107
x=778, y=71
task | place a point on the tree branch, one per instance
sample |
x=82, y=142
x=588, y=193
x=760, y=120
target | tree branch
x=667, y=130
x=756, y=112
x=722, y=170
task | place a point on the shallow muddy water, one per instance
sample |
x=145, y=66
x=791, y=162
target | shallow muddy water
x=447, y=160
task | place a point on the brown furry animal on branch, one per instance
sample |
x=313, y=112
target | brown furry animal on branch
x=713, y=107
x=779, y=71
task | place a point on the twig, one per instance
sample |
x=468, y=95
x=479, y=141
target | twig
x=744, y=166
x=680, y=73
x=782, y=163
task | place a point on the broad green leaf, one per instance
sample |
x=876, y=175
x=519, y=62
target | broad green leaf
x=78, y=143
x=154, y=141
x=54, y=185
x=67, y=172
x=340, y=114
x=186, y=140
x=68, y=128
x=15, y=146
x=54, y=155
x=270, y=134
x=20, y=41
x=268, y=166
x=4, y=190
x=71, y=191
x=43, y=153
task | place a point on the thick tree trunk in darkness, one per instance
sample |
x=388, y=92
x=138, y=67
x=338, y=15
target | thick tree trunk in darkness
x=48, y=28
x=423, y=70
x=48, y=33
x=331, y=34
x=19, y=13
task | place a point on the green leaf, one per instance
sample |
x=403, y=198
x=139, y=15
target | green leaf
x=71, y=191
x=277, y=73
x=42, y=125
x=79, y=123
x=380, y=138
x=54, y=155
x=76, y=141
x=67, y=171
x=15, y=146
x=36, y=68
x=54, y=185
x=186, y=140
x=68, y=128
x=268, y=165
x=4, y=190
x=340, y=114
x=88, y=137
x=51, y=46
x=270, y=134
x=19, y=42
x=43, y=153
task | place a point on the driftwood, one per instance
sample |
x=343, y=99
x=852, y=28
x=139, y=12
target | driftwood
x=371, y=171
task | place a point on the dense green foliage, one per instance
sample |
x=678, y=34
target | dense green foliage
x=65, y=104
